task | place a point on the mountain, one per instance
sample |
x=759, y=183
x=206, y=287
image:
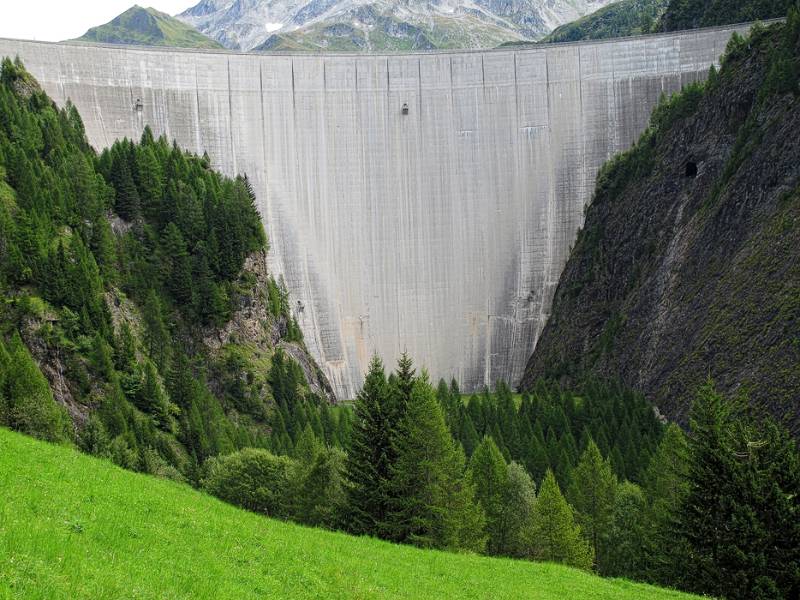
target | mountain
x=380, y=24
x=688, y=265
x=148, y=27
x=620, y=19
x=95, y=531
x=690, y=14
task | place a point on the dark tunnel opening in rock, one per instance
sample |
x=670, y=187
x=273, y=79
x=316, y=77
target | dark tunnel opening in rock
x=691, y=169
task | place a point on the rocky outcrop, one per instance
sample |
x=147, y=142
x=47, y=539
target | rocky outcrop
x=688, y=266
x=254, y=325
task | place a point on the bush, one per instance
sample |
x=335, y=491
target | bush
x=254, y=479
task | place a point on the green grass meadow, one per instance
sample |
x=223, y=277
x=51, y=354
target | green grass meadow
x=73, y=526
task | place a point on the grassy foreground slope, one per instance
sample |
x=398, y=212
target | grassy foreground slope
x=73, y=526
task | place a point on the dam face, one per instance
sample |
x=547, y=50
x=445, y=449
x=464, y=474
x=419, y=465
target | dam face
x=422, y=202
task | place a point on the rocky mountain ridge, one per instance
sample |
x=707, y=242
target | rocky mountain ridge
x=380, y=24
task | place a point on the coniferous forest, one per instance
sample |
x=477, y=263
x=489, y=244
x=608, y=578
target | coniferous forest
x=120, y=269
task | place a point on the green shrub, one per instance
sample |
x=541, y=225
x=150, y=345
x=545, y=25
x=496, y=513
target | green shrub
x=254, y=479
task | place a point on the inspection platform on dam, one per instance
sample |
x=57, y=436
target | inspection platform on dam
x=423, y=202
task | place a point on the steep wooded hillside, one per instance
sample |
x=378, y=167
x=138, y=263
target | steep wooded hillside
x=620, y=19
x=688, y=265
x=135, y=299
x=690, y=14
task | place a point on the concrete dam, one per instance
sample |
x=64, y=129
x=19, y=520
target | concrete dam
x=421, y=202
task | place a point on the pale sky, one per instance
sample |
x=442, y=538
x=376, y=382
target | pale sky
x=56, y=20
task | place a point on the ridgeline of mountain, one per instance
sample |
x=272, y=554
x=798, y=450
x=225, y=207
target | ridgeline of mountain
x=620, y=19
x=372, y=25
x=691, y=14
x=148, y=27
x=688, y=265
x=137, y=315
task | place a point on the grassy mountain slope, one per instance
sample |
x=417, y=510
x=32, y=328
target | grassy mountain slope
x=77, y=527
x=690, y=14
x=688, y=265
x=624, y=18
x=148, y=27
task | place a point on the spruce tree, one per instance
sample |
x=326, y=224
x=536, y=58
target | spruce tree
x=624, y=547
x=554, y=536
x=488, y=474
x=739, y=518
x=322, y=496
x=432, y=503
x=367, y=467
x=518, y=502
x=665, y=489
x=128, y=204
x=591, y=493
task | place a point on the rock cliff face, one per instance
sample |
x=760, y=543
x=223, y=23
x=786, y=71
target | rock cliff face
x=254, y=326
x=688, y=266
x=380, y=24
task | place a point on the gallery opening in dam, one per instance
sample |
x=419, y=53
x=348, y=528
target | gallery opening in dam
x=419, y=202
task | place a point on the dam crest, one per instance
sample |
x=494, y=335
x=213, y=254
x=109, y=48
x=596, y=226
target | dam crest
x=414, y=202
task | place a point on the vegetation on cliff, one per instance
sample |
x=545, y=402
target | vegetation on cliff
x=620, y=19
x=687, y=265
x=690, y=14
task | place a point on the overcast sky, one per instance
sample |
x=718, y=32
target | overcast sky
x=56, y=20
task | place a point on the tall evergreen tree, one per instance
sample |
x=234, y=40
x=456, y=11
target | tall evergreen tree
x=739, y=519
x=518, y=501
x=591, y=493
x=368, y=463
x=624, y=547
x=665, y=489
x=488, y=474
x=554, y=536
x=432, y=504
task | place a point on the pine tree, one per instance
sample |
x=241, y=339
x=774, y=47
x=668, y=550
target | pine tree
x=468, y=436
x=432, y=503
x=307, y=447
x=153, y=399
x=518, y=501
x=536, y=460
x=739, y=518
x=554, y=536
x=322, y=495
x=157, y=337
x=402, y=388
x=712, y=493
x=369, y=458
x=624, y=547
x=488, y=474
x=591, y=493
x=665, y=489
x=128, y=204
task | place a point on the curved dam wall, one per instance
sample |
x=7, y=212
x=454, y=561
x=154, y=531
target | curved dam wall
x=442, y=231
